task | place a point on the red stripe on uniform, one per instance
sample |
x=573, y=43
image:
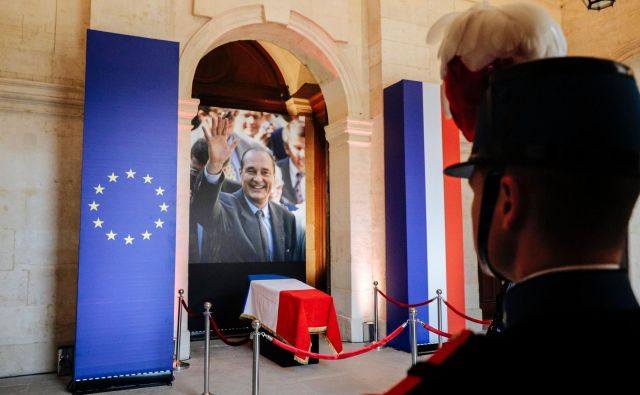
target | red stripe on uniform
x=450, y=347
x=406, y=385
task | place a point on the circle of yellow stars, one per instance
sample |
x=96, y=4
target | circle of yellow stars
x=94, y=206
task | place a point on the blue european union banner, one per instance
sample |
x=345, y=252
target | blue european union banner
x=127, y=228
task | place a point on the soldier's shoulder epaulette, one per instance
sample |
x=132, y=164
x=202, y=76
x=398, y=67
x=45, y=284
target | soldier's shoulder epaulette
x=431, y=370
x=450, y=347
x=405, y=386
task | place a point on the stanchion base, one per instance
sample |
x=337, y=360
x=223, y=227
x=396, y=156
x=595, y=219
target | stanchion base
x=179, y=365
x=207, y=393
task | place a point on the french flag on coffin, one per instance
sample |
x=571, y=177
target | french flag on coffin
x=291, y=310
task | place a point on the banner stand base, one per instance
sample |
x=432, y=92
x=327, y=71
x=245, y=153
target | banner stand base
x=120, y=383
x=428, y=348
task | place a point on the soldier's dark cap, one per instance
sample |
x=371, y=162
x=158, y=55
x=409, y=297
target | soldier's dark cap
x=576, y=113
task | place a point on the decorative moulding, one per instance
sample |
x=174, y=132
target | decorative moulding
x=41, y=97
x=187, y=109
x=297, y=105
x=352, y=132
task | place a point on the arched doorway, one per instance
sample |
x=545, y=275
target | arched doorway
x=243, y=78
x=348, y=135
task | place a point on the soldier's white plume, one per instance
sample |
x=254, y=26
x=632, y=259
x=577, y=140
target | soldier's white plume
x=483, y=38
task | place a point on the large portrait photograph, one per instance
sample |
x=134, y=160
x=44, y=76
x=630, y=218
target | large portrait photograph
x=248, y=204
x=254, y=209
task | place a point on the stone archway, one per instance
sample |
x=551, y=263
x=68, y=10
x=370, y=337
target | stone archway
x=348, y=135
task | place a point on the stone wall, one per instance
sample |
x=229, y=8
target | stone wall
x=44, y=40
x=612, y=33
x=39, y=238
x=41, y=95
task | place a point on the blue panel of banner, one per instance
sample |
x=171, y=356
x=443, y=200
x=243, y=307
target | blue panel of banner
x=127, y=230
x=405, y=199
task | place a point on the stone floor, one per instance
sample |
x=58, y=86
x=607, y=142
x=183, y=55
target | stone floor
x=373, y=372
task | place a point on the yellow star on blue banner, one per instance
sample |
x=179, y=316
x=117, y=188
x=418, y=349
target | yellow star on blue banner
x=124, y=206
x=113, y=177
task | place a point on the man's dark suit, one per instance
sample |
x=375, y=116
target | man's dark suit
x=234, y=229
x=199, y=245
x=288, y=190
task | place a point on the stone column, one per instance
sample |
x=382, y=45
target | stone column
x=350, y=222
x=471, y=281
x=187, y=109
x=300, y=106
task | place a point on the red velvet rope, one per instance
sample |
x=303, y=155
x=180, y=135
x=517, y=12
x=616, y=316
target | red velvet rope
x=191, y=313
x=216, y=329
x=390, y=299
x=435, y=330
x=224, y=339
x=477, y=321
x=343, y=355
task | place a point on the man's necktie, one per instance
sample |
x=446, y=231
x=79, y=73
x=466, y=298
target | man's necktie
x=263, y=235
x=298, y=187
x=229, y=172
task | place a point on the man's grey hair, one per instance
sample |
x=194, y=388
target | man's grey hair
x=259, y=149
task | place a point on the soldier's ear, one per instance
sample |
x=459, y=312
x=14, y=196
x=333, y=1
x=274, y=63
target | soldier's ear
x=510, y=204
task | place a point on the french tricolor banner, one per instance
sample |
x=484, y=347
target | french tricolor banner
x=423, y=208
x=124, y=332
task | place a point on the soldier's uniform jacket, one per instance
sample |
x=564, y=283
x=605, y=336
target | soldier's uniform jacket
x=575, y=330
